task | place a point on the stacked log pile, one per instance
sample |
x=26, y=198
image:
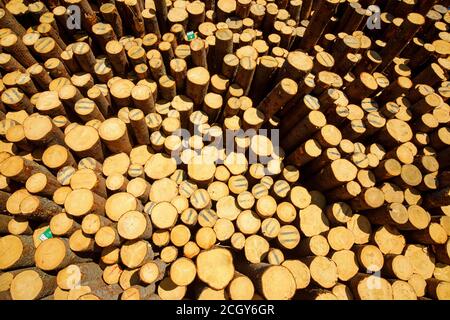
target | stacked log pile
x=229, y=149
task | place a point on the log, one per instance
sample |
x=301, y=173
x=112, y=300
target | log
x=39, y=208
x=261, y=273
x=81, y=243
x=313, y=122
x=55, y=254
x=81, y=202
x=371, y=287
x=7, y=20
x=84, y=141
x=240, y=287
x=63, y=225
x=15, y=46
x=317, y=24
x=208, y=261
x=397, y=266
x=197, y=81
x=77, y=275
x=113, y=133
x=17, y=252
x=38, y=284
x=19, y=169
x=100, y=291
x=152, y=271
x=140, y=293
x=136, y=253
x=405, y=34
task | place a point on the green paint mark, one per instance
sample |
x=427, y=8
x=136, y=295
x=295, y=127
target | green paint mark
x=190, y=35
x=47, y=234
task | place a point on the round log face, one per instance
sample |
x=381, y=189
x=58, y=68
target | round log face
x=215, y=267
x=229, y=149
x=50, y=254
x=11, y=249
x=26, y=285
